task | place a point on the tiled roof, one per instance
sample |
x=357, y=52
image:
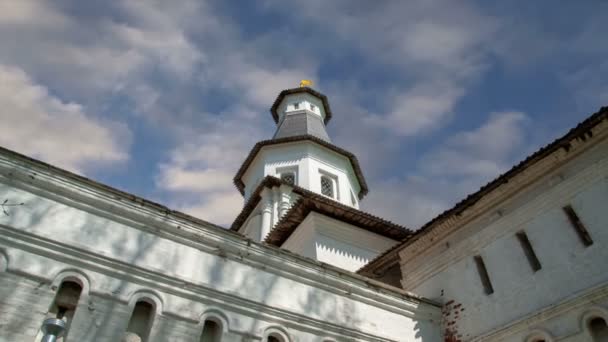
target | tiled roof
x=310, y=201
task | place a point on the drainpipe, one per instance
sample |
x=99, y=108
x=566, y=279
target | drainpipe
x=52, y=328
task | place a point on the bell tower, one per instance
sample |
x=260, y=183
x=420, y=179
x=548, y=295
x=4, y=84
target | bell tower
x=300, y=154
x=302, y=192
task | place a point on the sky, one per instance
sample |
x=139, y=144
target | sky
x=164, y=99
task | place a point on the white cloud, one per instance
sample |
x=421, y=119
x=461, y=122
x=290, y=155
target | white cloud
x=437, y=49
x=462, y=163
x=422, y=108
x=480, y=153
x=220, y=207
x=40, y=125
x=30, y=12
x=198, y=172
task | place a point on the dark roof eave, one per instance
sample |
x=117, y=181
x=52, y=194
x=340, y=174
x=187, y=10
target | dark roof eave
x=257, y=147
x=310, y=201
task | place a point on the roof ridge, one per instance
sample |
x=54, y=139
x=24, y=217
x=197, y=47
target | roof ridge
x=581, y=129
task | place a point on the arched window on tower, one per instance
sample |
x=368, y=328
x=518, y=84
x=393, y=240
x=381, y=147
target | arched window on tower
x=212, y=332
x=140, y=322
x=327, y=186
x=598, y=329
x=65, y=303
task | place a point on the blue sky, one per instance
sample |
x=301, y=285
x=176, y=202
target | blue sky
x=164, y=99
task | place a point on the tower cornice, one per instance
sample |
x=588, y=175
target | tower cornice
x=300, y=90
x=240, y=185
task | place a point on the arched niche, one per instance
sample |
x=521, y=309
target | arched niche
x=539, y=335
x=144, y=305
x=276, y=334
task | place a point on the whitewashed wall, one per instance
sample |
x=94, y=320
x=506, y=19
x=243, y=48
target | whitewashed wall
x=554, y=302
x=336, y=243
x=121, y=248
x=310, y=159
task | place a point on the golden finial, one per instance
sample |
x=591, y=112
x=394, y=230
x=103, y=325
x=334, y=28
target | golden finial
x=305, y=83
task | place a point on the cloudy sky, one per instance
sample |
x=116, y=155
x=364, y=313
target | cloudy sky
x=164, y=99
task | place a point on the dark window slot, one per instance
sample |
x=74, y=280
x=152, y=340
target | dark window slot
x=578, y=225
x=529, y=251
x=483, y=274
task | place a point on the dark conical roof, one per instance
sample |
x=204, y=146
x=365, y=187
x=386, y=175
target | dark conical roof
x=303, y=123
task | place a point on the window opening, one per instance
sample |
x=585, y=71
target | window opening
x=528, y=251
x=289, y=178
x=141, y=321
x=327, y=186
x=273, y=338
x=483, y=275
x=313, y=107
x=352, y=198
x=578, y=225
x=212, y=332
x=599, y=329
x=296, y=105
x=65, y=303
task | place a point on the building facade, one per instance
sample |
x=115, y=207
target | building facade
x=522, y=259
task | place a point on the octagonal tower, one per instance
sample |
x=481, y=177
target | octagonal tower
x=302, y=192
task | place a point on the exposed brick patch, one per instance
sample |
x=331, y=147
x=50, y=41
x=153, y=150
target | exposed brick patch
x=450, y=313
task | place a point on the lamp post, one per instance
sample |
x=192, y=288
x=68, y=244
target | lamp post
x=52, y=328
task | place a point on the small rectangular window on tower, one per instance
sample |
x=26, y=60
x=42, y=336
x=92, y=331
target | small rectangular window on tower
x=289, y=178
x=483, y=275
x=578, y=225
x=313, y=107
x=528, y=251
x=327, y=186
x=296, y=105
